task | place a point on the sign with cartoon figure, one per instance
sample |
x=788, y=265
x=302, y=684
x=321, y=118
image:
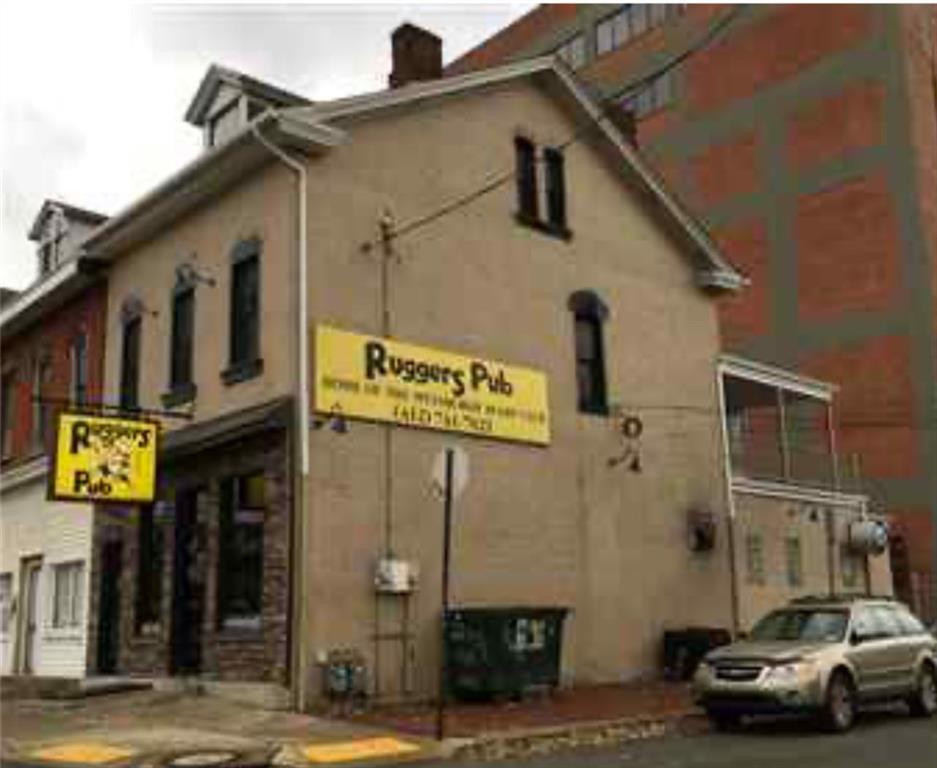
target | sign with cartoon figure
x=380, y=379
x=101, y=458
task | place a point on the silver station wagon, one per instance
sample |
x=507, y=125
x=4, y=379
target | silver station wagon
x=822, y=656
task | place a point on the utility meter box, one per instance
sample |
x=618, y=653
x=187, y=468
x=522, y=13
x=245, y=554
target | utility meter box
x=394, y=577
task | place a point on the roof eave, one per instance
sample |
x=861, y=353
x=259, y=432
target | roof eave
x=44, y=295
x=203, y=177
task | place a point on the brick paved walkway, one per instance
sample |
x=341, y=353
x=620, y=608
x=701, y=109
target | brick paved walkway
x=587, y=704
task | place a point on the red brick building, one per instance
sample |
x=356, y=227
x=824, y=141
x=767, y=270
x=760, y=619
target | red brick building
x=53, y=354
x=806, y=138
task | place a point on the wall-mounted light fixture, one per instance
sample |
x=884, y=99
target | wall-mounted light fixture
x=335, y=420
x=187, y=274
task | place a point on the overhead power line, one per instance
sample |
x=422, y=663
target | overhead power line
x=608, y=103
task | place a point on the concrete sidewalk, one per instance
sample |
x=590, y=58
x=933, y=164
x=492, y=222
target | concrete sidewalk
x=160, y=728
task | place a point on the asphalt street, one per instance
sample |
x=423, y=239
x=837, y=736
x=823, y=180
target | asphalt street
x=881, y=740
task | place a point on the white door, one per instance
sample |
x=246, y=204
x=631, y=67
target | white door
x=30, y=602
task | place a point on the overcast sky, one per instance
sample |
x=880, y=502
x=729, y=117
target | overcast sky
x=92, y=94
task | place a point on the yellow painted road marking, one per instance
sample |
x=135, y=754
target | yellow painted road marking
x=362, y=749
x=93, y=753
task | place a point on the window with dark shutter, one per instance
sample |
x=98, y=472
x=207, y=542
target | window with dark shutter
x=245, y=313
x=7, y=390
x=130, y=364
x=589, y=314
x=183, y=326
x=42, y=410
x=556, y=189
x=526, y=161
x=79, y=365
x=241, y=539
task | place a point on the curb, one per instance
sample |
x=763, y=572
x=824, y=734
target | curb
x=549, y=739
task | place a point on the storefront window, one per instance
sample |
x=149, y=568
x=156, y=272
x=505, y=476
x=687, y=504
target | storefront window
x=241, y=534
x=150, y=569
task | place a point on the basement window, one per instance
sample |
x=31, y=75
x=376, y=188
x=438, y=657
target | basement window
x=241, y=540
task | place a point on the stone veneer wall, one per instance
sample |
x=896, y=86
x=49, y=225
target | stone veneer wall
x=235, y=655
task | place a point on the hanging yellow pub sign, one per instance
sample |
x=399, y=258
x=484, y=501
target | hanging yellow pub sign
x=378, y=379
x=101, y=458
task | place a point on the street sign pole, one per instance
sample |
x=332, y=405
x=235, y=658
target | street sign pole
x=443, y=659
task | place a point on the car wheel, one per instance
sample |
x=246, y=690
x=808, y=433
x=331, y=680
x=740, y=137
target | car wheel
x=724, y=721
x=923, y=701
x=839, y=709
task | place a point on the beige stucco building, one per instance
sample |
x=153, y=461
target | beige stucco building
x=401, y=214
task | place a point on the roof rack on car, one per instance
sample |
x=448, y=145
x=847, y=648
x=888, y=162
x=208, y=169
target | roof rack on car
x=847, y=598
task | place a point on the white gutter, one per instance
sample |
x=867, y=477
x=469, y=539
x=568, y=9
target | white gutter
x=299, y=623
x=730, y=504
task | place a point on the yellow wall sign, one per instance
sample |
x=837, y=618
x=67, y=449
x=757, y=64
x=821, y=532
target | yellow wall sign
x=385, y=380
x=99, y=458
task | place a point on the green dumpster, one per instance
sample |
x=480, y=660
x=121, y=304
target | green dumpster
x=499, y=652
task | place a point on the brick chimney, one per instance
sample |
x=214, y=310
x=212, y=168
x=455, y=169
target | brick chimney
x=417, y=55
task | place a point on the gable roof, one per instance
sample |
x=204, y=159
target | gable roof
x=717, y=271
x=197, y=112
x=308, y=129
x=71, y=212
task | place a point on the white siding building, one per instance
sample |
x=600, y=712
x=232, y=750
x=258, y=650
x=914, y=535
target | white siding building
x=45, y=556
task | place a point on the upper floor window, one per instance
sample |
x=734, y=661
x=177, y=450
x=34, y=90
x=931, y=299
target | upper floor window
x=6, y=601
x=573, y=51
x=630, y=22
x=244, y=332
x=528, y=188
x=556, y=188
x=794, y=561
x=241, y=539
x=657, y=94
x=755, y=559
x=130, y=363
x=525, y=154
x=42, y=408
x=8, y=407
x=589, y=315
x=182, y=345
x=78, y=359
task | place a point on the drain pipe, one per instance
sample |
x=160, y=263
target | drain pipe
x=731, y=545
x=301, y=428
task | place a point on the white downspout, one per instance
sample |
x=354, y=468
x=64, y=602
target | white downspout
x=730, y=502
x=298, y=675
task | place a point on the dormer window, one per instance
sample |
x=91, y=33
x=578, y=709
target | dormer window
x=50, y=240
x=224, y=123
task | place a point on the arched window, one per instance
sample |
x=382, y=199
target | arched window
x=131, y=313
x=589, y=314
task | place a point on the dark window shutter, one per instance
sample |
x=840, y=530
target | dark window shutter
x=526, y=172
x=130, y=364
x=556, y=188
x=183, y=319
